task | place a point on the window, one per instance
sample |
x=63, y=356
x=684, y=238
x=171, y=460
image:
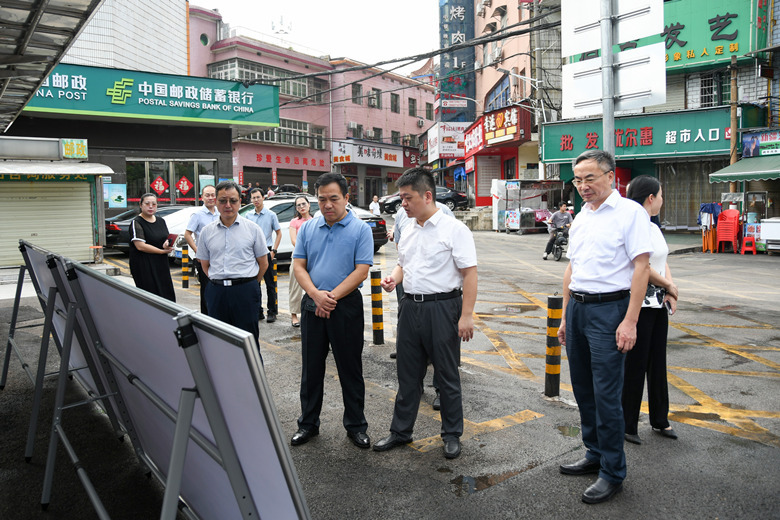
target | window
x=316, y=88
x=715, y=89
x=377, y=134
x=376, y=95
x=412, y=107
x=395, y=104
x=429, y=111
x=317, y=139
x=395, y=137
x=357, y=133
x=238, y=70
x=409, y=140
x=499, y=96
x=289, y=132
x=357, y=93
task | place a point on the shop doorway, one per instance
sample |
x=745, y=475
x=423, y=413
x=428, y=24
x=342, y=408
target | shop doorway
x=372, y=186
x=174, y=181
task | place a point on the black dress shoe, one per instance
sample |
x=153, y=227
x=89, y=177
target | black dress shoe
x=437, y=401
x=452, y=449
x=633, y=438
x=581, y=467
x=261, y=317
x=302, y=436
x=669, y=434
x=600, y=491
x=359, y=439
x=393, y=355
x=390, y=442
x=271, y=317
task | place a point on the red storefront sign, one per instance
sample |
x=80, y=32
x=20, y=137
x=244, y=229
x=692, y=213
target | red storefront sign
x=475, y=138
x=288, y=160
x=184, y=185
x=159, y=185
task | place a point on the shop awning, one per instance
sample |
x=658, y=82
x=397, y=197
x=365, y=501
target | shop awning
x=752, y=169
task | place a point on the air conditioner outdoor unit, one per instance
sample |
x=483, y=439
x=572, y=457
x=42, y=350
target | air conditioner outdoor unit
x=495, y=56
x=487, y=3
x=372, y=102
x=352, y=125
x=477, y=65
x=369, y=134
x=420, y=123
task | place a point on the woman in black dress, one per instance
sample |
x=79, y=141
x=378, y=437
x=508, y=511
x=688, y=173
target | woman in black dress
x=149, y=250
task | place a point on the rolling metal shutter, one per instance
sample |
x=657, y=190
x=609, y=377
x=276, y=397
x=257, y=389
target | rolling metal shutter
x=54, y=215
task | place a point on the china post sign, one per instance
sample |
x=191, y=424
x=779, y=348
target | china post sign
x=94, y=91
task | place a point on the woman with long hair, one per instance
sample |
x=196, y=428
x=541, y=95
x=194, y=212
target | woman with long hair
x=302, y=214
x=648, y=357
x=149, y=248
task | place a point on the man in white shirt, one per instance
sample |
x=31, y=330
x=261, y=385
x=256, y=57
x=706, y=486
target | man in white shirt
x=200, y=219
x=603, y=289
x=437, y=262
x=374, y=206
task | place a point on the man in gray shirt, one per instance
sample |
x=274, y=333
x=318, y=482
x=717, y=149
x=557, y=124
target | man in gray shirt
x=560, y=219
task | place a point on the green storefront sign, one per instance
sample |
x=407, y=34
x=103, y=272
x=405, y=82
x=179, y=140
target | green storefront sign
x=94, y=91
x=688, y=133
x=700, y=33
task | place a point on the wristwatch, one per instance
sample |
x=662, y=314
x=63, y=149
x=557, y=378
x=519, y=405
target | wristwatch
x=273, y=251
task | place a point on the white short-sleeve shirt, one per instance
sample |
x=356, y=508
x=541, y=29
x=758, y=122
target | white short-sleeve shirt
x=603, y=244
x=433, y=254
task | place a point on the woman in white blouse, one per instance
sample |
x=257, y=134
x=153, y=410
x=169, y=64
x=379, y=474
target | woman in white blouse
x=648, y=357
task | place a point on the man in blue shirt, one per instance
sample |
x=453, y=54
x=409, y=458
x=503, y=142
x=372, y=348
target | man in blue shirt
x=332, y=256
x=269, y=223
x=233, y=254
x=204, y=216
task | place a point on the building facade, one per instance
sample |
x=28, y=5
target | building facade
x=687, y=138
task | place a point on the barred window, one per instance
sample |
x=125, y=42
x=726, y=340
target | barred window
x=238, y=69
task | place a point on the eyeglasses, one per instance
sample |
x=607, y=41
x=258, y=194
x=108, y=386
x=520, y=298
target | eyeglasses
x=590, y=179
x=230, y=201
x=301, y=204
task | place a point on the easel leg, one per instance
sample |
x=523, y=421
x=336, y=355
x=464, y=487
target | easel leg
x=181, y=438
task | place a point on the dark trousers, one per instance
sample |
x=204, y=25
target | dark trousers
x=596, y=368
x=343, y=331
x=647, y=357
x=548, y=249
x=237, y=305
x=203, y=281
x=428, y=330
x=270, y=289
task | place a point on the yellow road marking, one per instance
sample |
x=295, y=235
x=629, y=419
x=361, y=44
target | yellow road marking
x=725, y=372
x=505, y=350
x=728, y=348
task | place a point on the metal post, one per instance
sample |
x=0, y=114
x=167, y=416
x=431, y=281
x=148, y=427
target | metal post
x=552, y=362
x=607, y=78
x=185, y=266
x=178, y=453
x=12, y=328
x=377, y=318
x=733, y=122
x=276, y=284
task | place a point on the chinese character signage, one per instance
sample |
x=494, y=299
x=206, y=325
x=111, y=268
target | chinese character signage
x=295, y=161
x=760, y=143
x=73, y=149
x=691, y=133
x=512, y=123
x=367, y=154
x=475, y=138
x=704, y=32
x=102, y=92
x=447, y=141
x=456, y=74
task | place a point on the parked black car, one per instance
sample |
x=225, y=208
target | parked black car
x=390, y=203
x=118, y=226
x=451, y=198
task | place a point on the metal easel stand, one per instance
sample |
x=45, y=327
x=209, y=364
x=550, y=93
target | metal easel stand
x=11, y=345
x=57, y=433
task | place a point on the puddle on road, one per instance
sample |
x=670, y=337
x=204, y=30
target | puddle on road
x=467, y=485
x=569, y=431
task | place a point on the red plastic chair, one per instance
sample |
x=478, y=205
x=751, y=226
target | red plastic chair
x=748, y=244
x=728, y=229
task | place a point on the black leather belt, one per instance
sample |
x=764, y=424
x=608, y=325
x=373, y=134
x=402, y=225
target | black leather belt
x=233, y=281
x=433, y=297
x=581, y=297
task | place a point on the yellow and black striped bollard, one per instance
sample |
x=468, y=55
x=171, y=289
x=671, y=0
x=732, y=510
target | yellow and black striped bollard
x=552, y=364
x=376, y=308
x=185, y=266
x=276, y=283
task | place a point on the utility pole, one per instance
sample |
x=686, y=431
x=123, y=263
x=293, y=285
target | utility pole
x=733, y=147
x=607, y=78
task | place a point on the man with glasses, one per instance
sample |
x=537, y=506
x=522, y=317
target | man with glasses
x=204, y=216
x=269, y=223
x=234, y=256
x=603, y=288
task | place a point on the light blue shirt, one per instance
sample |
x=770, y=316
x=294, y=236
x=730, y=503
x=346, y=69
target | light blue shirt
x=268, y=222
x=331, y=253
x=401, y=218
x=232, y=252
x=198, y=220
